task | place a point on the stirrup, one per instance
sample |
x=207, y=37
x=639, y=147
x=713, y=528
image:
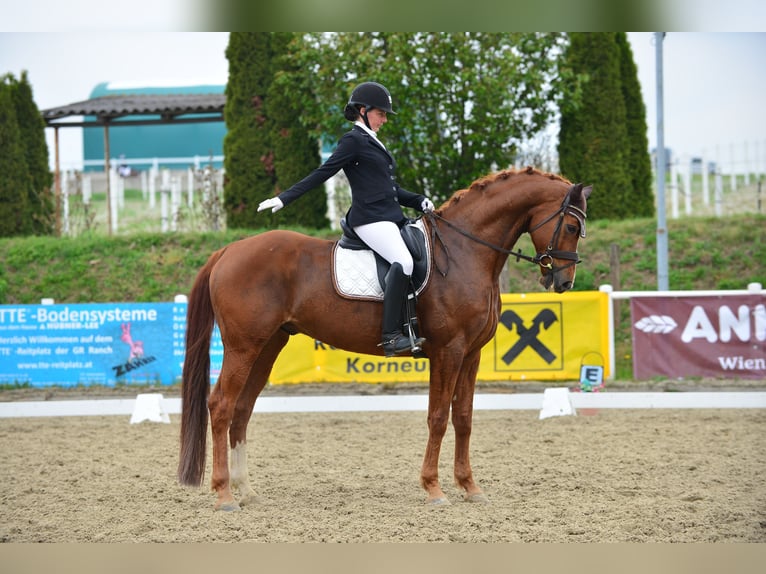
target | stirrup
x=398, y=343
x=416, y=344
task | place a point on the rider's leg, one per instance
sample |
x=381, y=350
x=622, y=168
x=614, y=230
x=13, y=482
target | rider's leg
x=384, y=238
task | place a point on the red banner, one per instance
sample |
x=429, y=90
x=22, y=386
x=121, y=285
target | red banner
x=706, y=336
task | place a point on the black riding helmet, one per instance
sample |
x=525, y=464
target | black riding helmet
x=370, y=95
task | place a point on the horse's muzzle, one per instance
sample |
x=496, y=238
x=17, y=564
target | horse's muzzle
x=552, y=280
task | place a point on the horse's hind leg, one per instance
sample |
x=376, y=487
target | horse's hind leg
x=243, y=375
x=221, y=403
x=236, y=371
x=259, y=375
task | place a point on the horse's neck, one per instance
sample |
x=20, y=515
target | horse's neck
x=495, y=224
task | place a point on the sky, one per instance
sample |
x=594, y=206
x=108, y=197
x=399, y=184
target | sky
x=714, y=83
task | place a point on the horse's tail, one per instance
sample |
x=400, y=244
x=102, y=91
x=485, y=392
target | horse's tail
x=195, y=379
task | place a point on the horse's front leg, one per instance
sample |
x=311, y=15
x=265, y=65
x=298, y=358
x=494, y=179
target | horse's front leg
x=441, y=386
x=259, y=375
x=462, y=421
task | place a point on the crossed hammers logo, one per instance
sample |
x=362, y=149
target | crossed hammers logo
x=528, y=335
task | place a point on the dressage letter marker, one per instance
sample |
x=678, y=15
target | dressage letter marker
x=556, y=403
x=148, y=407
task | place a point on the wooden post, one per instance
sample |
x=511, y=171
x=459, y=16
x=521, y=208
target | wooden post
x=705, y=181
x=687, y=177
x=106, y=173
x=57, y=181
x=614, y=279
x=674, y=190
x=718, y=194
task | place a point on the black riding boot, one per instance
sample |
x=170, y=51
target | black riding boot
x=394, y=342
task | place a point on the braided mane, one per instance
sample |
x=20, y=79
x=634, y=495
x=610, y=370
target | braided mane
x=481, y=183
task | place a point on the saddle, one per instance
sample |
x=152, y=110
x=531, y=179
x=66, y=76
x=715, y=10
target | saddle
x=359, y=273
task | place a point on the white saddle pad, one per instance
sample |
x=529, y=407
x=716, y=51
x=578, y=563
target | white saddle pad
x=355, y=274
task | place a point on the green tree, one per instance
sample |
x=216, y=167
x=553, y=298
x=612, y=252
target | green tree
x=15, y=180
x=639, y=161
x=266, y=146
x=296, y=152
x=464, y=101
x=32, y=127
x=248, y=157
x=594, y=141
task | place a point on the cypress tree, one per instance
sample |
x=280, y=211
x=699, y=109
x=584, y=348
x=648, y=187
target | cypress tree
x=32, y=128
x=266, y=147
x=15, y=181
x=593, y=139
x=296, y=153
x=249, y=158
x=639, y=161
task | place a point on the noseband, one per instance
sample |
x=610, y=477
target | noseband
x=544, y=259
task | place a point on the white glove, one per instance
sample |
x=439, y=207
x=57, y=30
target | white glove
x=273, y=203
x=427, y=205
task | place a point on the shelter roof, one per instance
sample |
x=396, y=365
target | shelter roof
x=139, y=109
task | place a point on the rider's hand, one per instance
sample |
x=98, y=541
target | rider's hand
x=273, y=203
x=427, y=205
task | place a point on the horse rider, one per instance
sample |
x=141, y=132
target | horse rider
x=376, y=199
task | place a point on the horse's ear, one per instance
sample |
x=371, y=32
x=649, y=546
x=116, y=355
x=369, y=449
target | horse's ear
x=586, y=191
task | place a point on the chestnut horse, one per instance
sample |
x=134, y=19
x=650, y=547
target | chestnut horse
x=262, y=289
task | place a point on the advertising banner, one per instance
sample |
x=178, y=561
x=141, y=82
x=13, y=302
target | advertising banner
x=81, y=344
x=548, y=336
x=705, y=336
x=541, y=336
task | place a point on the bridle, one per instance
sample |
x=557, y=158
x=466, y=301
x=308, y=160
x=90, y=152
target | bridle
x=543, y=259
x=550, y=253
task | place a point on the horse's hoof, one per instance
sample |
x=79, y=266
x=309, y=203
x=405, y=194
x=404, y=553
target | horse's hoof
x=441, y=501
x=232, y=506
x=478, y=498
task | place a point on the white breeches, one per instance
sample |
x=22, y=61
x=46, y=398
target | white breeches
x=385, y=239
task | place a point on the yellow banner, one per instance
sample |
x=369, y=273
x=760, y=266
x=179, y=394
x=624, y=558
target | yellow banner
x=540, y=336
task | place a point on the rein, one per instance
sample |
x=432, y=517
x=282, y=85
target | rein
x=544, y=259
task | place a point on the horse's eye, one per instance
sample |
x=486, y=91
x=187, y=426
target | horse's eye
x=571, y=228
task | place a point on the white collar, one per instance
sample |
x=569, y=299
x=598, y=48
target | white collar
x=369, y=131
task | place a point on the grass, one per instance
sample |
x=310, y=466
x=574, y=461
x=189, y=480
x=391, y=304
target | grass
x=141, y=264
